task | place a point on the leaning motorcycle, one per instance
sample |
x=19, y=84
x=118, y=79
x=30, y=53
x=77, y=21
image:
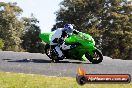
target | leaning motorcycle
x=85, y=51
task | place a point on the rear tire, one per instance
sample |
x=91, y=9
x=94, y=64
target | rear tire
x=47, y=50
x=51, y=54
x=98, y=57
x=55, y=61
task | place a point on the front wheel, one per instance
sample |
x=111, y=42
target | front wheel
x=97, y=57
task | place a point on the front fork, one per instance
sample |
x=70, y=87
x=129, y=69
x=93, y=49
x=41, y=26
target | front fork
x=91, y=53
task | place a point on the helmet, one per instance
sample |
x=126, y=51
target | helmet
x=68, y=28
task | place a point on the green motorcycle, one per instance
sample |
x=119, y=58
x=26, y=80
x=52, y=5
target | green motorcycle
x=85, y=51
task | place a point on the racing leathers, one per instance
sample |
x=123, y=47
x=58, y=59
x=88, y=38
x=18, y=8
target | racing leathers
x=58, y=42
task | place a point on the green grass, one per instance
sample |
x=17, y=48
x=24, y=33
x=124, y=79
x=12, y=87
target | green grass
x=15, y=80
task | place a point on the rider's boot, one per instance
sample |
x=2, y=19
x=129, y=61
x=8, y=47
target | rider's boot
x=61, y=58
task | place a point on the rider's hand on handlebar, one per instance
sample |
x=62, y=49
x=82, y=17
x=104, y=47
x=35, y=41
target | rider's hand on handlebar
x=73, y=46
x=76, y=32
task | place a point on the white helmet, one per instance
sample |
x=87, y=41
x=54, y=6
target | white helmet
x=68, y=28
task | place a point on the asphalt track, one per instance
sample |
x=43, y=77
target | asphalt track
x=36, y=63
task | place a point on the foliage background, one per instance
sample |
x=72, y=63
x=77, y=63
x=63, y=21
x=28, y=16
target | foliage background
x=108, y=21
x=18, y=33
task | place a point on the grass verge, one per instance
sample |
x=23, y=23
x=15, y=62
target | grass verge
x=19, y=80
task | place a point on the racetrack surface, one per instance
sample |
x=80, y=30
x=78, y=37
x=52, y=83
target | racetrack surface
x=36, y=63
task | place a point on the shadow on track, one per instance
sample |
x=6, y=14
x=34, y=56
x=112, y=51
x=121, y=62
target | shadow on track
x=6, y=59
x=44, y=61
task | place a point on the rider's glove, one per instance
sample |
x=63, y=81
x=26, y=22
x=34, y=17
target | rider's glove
x=73, y=46
x=76, y=32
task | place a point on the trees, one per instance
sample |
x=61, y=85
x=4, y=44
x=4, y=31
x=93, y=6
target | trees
x=18, y=32
x=109, y=21
x=10, y=26
x=117, y=26
x=1, y=44
x=31, y=41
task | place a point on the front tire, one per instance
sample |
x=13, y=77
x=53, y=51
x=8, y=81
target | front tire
x=97, y=58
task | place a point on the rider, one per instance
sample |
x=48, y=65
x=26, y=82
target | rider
x=58, y=40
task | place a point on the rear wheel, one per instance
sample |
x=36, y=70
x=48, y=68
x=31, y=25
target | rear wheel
x=51, y=53
x=48, y=50
x=97, y=58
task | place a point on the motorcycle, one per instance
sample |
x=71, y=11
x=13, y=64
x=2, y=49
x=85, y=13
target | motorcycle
x=85, y=51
